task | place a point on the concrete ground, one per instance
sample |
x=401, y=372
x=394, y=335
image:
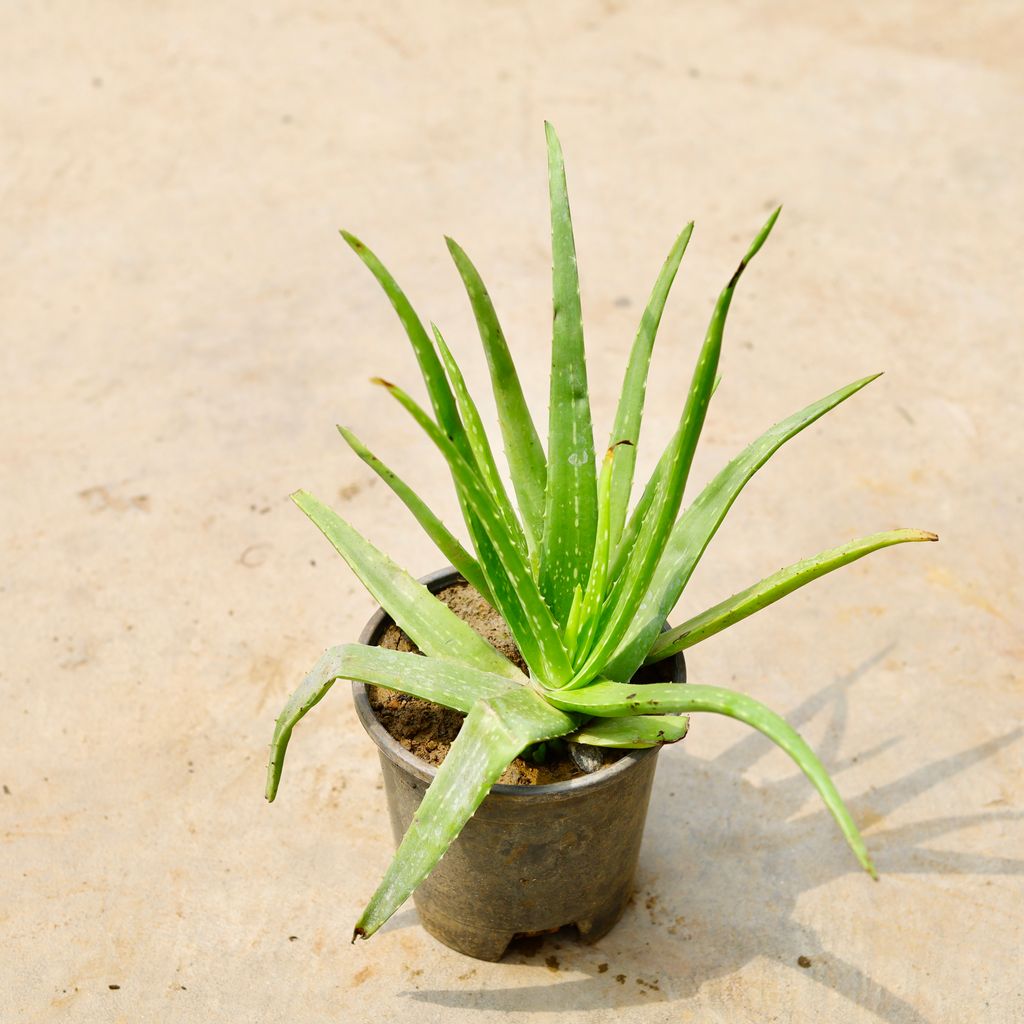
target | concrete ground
x=183, y=327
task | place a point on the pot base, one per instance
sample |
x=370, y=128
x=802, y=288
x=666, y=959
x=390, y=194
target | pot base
x=490, y=944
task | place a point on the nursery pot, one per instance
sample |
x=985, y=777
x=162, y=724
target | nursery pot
x=532, y=859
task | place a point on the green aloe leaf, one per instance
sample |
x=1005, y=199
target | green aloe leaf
x=434, y=679
x=431, y=624
x=628, y=540
x=773, y=588
x=614, y=700
x=630, y=410
x=495, y=731
x=440, y=393
x=523, y=449
x=698, y=524
x=441, y=399
x=570, y=506
x=642, y=563
x=674, y=465
x=632, y=732
x=593, y=596
x=571, y=633
x=478, y=443
x=515, y=591
x=447, y=544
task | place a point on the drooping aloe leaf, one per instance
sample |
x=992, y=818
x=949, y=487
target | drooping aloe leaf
x=495, y=731
x=632, y=732
x=642, y=563
x=698, y=524
x=630, y=410
x=434, y=679
x=614, y=700
x=514, y=588
x=570, y=505
x=478, y=443
x=523, y=449
x=431, y=625
x=447, y=544
x=772, y=588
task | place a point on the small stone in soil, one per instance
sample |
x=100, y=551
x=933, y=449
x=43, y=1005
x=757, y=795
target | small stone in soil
x=587, y=759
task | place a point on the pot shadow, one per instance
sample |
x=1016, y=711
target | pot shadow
x=747, y=853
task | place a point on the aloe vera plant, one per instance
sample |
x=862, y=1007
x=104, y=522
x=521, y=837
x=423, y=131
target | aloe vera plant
x=584, y=581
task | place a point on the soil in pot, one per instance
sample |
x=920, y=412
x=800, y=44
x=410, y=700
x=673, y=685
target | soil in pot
x=427, y=730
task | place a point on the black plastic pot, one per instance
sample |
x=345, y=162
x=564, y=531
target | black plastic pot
x=533, y=858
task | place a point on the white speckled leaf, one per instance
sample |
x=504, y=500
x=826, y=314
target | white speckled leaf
x=629, y=413
x=570, y=506
x=479, y=445
x=441, y=397
x=523, y=451
x=648, y=546
x=446, y=542
x=697, y=525
x=773, y=588
x=515, y=591
x=431, y=624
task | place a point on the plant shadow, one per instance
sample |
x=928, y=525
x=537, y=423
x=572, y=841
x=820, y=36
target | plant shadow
x=747, y=864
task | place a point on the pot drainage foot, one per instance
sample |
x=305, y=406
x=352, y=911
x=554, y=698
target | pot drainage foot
x=481, y=945
x=492, y=945
x=598, y=927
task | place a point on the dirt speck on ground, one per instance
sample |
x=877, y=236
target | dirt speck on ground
x=363, y=974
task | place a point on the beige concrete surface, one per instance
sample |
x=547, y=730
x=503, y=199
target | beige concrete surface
x=182, y=328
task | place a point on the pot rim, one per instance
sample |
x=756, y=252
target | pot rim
x=390, y=747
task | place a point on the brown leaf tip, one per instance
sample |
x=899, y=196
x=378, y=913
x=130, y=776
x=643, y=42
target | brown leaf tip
x=739, y=270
